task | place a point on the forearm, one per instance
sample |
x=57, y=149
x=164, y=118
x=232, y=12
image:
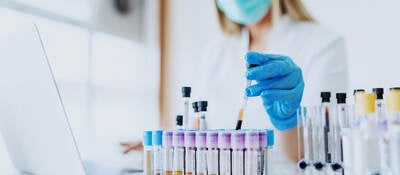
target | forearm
x=289, y=143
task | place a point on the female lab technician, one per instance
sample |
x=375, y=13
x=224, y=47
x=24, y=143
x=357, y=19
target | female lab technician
x=294, y=55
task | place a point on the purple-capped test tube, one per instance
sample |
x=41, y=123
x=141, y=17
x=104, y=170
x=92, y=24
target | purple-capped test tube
x=238, y=152
x=253, y=153
x=212, y=153
x=201, y=156
x=262, y=135
x=178, y=141
x=190, y=154
x=168, y=152
x=224, y=145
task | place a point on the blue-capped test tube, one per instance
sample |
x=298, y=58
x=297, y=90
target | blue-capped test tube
x=148, y=152
x=268, y=153
x=157, y=152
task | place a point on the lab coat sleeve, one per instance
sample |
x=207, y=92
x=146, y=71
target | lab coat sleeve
x=327, y=70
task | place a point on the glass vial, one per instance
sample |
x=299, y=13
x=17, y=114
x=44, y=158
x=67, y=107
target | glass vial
x=157, y=152
x=168, y=153
x=224, y=145
x=212, y=153
x=178, y=141
x=238, y=152
x=202, y=105
x=190, y=154
x=268, y=155
x=186, y=99
x=253, y=153
x=201, y=153
x=147, y=153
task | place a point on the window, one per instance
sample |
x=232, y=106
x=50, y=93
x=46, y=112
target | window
x=108, y=82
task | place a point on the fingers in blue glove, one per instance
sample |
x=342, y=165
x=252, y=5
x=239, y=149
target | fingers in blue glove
x=271, y=96
x=285, y=82
x=260, y=58
x=270, y=66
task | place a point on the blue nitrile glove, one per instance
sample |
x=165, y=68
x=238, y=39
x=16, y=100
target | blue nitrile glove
x=280, y=85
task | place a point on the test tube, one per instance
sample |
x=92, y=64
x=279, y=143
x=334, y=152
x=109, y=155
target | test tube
x=244, y=102
x=186, y=98
x=190, y=154
x=326, y=112
x=178, y=141
x=318, y=138
x=201, y=153
x=393, y=109
x=224, y=145
x=268, y=155
x=179, y=122
x=366, y=138
x=148, y=153
x=202, y=105
x=238, y=152
x=157, y=152
x=337, y=154
x=253, y=153
x=212, y=153
x=168, y=153
x=383, y=130
x=197, y=116
x=262, y=135
x=302, y=163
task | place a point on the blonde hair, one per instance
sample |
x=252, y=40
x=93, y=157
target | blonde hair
x=293, y=8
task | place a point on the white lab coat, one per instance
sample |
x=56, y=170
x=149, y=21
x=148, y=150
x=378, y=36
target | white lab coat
x=220, y=78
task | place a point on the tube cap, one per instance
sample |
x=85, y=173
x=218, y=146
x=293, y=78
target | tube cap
x=358, y=90
x=393, y=101
x=202, y=105
x=365, y=103
x=341, y=98
x=179, y=120
x=212, y=139
x=224, y=140
x=201, y=139
x=252, y=140
x=186, y=91
x=157, y=137
x=147, y=138
x=270, y=137
x=178, y=139
x=263, y=138
x=326, y=96
x=394, y=88
x=167, y=138
x=238, y=140
x=195, y=107
x=379, y=93
x=190, y=139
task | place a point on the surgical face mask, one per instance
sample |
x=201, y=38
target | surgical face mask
x=244, y=11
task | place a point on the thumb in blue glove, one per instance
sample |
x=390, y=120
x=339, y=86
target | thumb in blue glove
x=280, y=85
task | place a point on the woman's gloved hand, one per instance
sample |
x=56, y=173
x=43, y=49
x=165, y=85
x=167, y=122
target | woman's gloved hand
x=280, y=85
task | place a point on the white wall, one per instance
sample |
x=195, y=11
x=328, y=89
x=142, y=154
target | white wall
x=371, y=28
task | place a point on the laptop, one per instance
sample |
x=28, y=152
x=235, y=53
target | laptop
x=33, y=121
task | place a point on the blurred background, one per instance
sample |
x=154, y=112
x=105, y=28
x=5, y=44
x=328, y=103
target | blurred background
x=120, y=63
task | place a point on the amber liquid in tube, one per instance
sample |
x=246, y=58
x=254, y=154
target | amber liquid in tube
x=168, y=173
